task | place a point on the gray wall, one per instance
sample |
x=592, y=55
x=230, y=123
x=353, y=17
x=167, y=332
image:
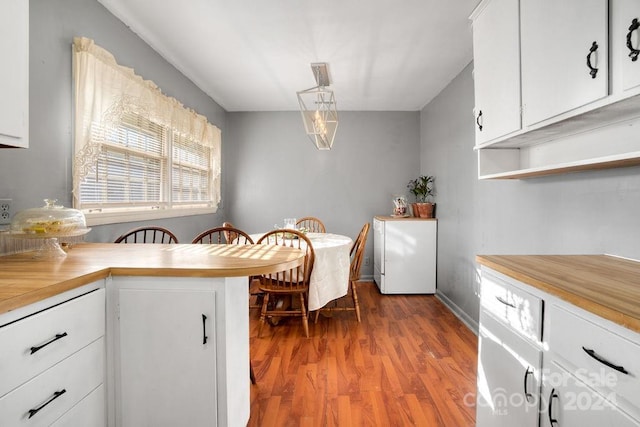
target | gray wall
x=274, y=171
x=579, y=213
x=44, y=169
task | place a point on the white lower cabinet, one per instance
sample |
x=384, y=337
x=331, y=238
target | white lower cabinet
x=569, y=402
x=52, y=359
x=180, y=352
x=168, y=363
x=45, y=398
x=587, y=368
x=508, y=377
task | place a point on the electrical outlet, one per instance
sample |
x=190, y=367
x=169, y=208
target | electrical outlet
x=367, y=261
x=5, y=211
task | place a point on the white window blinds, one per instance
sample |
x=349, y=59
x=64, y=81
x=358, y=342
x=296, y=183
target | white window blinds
x=137, y=150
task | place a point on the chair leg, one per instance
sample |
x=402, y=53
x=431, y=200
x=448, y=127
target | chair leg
x=316, y=318
x=263, y=314
x=354, y=295
x=251, y=374
x=305, y=321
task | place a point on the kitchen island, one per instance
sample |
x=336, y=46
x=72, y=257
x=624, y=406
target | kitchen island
x=168, y=324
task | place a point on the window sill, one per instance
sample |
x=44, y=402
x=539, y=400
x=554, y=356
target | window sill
x=114, y=217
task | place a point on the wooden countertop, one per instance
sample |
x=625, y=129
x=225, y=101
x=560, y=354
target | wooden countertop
x=604, y=285
x=25, y=280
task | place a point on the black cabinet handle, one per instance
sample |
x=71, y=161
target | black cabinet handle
x=527, y=395
x=204, y=329
x=478, y=121
x=604, y=361
x=52, y=340
x=593, y=71
x=507, y=303
x=553, y=395
x=633, y=52
x=56, y=395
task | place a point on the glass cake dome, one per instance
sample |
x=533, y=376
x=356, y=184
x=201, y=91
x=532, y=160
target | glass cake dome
x=51, y=219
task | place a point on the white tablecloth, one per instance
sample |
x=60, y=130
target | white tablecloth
x=330, y=275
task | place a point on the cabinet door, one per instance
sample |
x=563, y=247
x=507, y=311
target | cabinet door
x=508, y=377
x=568, y=402
x=556, y=39
x=625, y=42
x=496, y=70
x=14, y=73
x=167, y=358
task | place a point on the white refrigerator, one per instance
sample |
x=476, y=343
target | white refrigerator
x=404, y=255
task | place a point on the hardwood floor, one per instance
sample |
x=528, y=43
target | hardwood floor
x=410, y=362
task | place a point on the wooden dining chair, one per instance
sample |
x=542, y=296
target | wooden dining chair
x=357, y=255
x=230, y=236
x=283, y=285
x=311, y=224
x=149, y=234
x=224, y=235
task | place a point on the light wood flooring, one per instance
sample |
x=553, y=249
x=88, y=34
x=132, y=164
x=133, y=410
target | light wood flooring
x=410, y=362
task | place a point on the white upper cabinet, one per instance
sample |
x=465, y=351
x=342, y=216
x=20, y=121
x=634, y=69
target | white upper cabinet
x=496, y=69
x=14, y=73
x=578, y=86
x=625, y=44
x=564, y=56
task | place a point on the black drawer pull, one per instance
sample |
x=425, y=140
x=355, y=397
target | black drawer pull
x=56, y=395
x=604, y=361
x=204, y=329
x=478, y=121
x=552, y=421
x=507, y=303
x=527, y=395
x=54, y=339
x=593, y=71
x=633, y=52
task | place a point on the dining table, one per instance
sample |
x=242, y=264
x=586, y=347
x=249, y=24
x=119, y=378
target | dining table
x=330, y=275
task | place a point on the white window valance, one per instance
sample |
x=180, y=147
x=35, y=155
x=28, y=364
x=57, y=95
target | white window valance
x=108, y=95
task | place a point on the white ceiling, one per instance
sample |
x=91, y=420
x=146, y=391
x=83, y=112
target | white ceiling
x=253, y=55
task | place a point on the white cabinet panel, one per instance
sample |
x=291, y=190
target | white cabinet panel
x=508, y=377
x=14, y=73
x=496, y=69
x=167, y=357
x=625, y=43
x=556, y=39
x=89, y=412
x=405, y=255
x=568, y=402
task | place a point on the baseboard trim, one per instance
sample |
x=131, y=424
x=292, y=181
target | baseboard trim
x=459, y=313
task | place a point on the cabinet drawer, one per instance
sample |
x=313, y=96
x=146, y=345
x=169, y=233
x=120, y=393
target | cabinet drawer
x=73, y=379
x=513, y=306
x=35, y=343
x=572, y=337
x=90, y=411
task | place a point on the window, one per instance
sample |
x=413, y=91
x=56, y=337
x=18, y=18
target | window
x=138, y=153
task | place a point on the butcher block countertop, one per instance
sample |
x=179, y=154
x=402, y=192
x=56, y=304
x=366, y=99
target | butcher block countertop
x=604, y=285
x=25, y=280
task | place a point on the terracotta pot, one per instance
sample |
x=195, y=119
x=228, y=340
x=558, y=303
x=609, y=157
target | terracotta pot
x=425, y=210
x=414, y=209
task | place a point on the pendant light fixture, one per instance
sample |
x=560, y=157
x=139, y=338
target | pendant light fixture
x=318, y=108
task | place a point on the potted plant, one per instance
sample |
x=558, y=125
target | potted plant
x=422, y=188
